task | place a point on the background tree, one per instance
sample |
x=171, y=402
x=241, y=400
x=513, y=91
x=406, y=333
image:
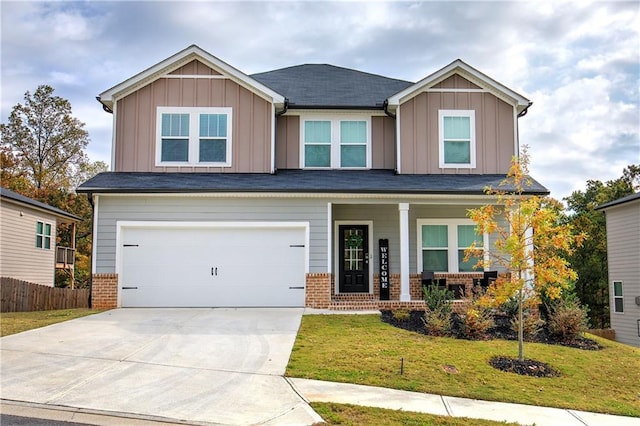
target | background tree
x=590, y=260
x=530, y=243
x=42, y=157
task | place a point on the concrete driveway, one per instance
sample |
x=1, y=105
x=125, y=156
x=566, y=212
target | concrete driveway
x=220, y=366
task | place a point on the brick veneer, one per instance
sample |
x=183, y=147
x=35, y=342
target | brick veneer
x=104, y=291
x=318, y=291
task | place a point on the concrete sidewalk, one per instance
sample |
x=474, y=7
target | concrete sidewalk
x=344, y=393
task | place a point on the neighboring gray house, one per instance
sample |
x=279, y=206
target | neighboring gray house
x=28, y=230
x=280, y=188
x=623, y=253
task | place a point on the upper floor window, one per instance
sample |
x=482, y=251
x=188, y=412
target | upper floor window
x=43, y=235
x=442, y=243
x=457, y=145
x=336, y=143
x=618, y=299
x=193, y=136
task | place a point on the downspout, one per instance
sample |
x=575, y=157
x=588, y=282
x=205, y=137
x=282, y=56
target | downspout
x=385, y=108
x=275, y=125
x=93, y=215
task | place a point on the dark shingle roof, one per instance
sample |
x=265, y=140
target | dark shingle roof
x=10, y=195
x=327, y=86
x=296, y=181
x=619, y=201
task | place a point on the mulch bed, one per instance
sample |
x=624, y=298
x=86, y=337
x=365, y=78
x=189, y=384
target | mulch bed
x=501, y=330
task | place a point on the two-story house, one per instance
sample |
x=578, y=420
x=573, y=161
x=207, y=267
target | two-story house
x=312, y=185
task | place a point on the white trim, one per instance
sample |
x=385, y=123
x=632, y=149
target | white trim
x=329, y=236
x=456, y=90
x=294, y=112
x=194, y=138
x=94, y=242
x=114, y=131
x=398, y=144
x=120, y=224
x=405, y=284
x=52, y=231
x=614, y=297
x=197, y=76
x=273, y=138
x=516, y=134
x=471, y=114
x=336, y=230
x=335, y=144
x=452, y=243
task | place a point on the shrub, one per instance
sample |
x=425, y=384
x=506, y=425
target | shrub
x=438, y=322
x=531, y=324
x=436, y=298
x=475, y=322
x=567, y=319
x=401, y=314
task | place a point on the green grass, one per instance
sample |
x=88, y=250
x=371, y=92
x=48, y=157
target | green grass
x=362, y=349
x=345, y=414
x=17, y=322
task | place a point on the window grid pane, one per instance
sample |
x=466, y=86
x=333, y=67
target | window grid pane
x=175, y=150
x=457, y=152
x=617, y=288
x=618, y=304
x=317, y=155
x=175, y=125
x=435, y=260
x=457, y=128
x=353, y=156
x=435, y=236
x=213, y=125
x=353, y=132
x=318, y=132
x=467, y=236
x=47, y=229
x=213, y=150
x=47, y=242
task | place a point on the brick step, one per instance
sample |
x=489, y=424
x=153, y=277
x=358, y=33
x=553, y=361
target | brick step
x=338, y=305
x=359, y=297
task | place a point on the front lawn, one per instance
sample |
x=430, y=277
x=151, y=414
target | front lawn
x=362, y=349
x=346, y=414
x=17, y=322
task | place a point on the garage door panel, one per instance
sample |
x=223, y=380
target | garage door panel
x=210, y=266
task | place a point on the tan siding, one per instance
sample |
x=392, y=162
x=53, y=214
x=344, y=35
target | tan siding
x=383, y=142
x=136, y=123
x=623, y=247
x=19, y=256
x=419, y=132
x=456, y=82
x=195, y=67
x=288, y=142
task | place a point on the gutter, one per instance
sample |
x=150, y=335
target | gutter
x=525, y=110
x=104, y=106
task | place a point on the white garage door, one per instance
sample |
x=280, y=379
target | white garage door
x=195, y=265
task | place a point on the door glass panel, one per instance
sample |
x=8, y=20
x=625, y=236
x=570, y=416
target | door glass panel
x=353, y=249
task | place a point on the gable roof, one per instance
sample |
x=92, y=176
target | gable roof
x=176, y=61
x=619, y=201
x=329, y=86
x=299, y=181
x=21, y=199
x=471, y=74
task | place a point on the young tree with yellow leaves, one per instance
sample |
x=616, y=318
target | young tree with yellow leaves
x=530, y=243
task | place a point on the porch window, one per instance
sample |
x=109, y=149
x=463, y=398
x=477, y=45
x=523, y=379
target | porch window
x=189, y=136
x=335, y=142
x=457, y=138
x=618, y=300
x=442, y=243
x=43, y=235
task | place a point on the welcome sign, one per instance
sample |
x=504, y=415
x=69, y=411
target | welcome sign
x=384, y=268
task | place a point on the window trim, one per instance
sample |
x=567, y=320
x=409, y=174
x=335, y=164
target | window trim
x=194, y=135
x=614, y=298
x=452, y=246
x=43, y=235
x=472, y=133
x=336, y=143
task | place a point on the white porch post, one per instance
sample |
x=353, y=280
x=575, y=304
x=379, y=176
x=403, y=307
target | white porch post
x=405, y=293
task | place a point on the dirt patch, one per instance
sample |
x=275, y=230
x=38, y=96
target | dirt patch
x=528, y=367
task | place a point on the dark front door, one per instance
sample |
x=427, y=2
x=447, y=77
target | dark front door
x=353, y=258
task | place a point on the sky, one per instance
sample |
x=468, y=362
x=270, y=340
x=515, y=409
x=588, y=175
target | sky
x=579, y=62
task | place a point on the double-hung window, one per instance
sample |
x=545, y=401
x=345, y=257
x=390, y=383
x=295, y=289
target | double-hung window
x=618, y=299
x=43, y=235
x=335, y=143
x=457, y=138
x=442, y=243
x=193, y=136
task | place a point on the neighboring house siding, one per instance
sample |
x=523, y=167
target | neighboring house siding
x=135, y=130
x=20, y=258
x=176, y=208
x=382, y=142
x=623, y=247
x=494, y=121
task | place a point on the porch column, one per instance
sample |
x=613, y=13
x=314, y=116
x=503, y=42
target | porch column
x=405, y=293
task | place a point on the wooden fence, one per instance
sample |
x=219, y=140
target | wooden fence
x=22, y=296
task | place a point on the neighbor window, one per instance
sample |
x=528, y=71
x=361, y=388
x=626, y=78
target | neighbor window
x=335, y=143
x=442, y=242
x=618, y=300
x=194, y=136
x=43, y=235
x=457, y=138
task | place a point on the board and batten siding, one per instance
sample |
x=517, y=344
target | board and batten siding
x=419, y=134
x=20, y=258
x=210, y=209
x=135, y=128
x=288, y=142
x=623, y=252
